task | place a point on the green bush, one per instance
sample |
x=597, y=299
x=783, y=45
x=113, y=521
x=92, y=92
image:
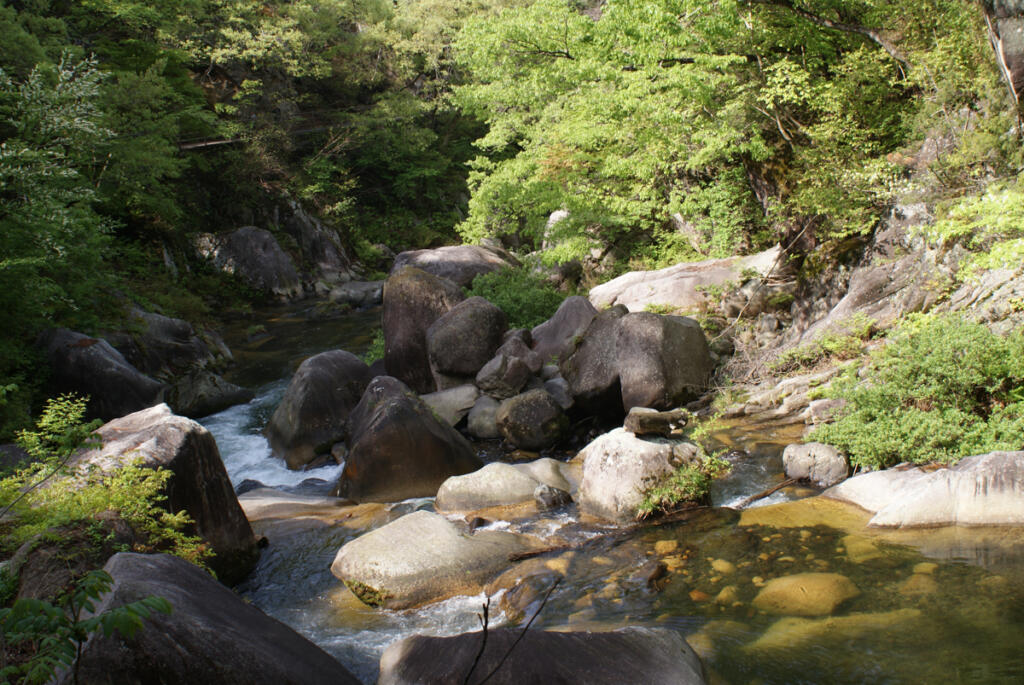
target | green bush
x=525, y=297
x=689, y=484
x=842, y=342
x=944, y=388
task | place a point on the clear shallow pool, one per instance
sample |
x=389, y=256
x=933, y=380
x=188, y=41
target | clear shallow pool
x=939, y=606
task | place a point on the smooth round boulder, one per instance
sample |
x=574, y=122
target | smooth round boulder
x=651, y=656
x=413, y=300
x=200, y=485
x=496, y=484
x=91, y=366
x=817, y=462
x=398, y=448
x=422, y=557
x=555, y=338
x=663, y=361
x=532, y=420
x=805, y=594
x=211, y=635
x=314, y=411
x=463, y=339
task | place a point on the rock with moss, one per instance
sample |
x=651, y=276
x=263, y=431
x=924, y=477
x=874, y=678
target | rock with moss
x=399, y=448
x=422, y=557
x=618, y=469
x=532, y=420
x=199, y=485
x=314, y=411
x=413, y=300
x=463, y=339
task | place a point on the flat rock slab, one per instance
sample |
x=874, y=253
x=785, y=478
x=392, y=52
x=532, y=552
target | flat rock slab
x=805, y=594
x=983, y=490
x=422, y=557
x=211, y=636
x=268, y=503
x=630, y=655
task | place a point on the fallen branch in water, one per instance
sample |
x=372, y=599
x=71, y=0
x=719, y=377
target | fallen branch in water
x=761, y=495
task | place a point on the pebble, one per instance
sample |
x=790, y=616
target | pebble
x=662, y=547
x=723, y=567
x=728, y=596
x=757, y=580
x=919, y=584
x=698, y=596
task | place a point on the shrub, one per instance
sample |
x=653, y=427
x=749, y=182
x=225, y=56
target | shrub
x=524, y=295
x=943, y=389
x=843, y=341
x=689, y=484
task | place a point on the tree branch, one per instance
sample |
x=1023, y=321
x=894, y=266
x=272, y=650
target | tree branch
x=871, y=34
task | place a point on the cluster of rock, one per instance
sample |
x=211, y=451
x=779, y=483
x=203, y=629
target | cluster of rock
x=161, y=359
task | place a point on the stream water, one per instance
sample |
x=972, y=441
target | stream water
x=941, y=606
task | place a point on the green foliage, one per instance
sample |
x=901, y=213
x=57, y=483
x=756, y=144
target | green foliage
x=990, y=226
x=689, y=484
x=942, y=389
x=376, y=349
x=45, y=495
x=654, y=124
x=842, y=342
x=57, y=633
x=522, y=293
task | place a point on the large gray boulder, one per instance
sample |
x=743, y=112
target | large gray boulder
x=817, y=462
x=653, y=656
x=983, y=490
x=199, y=484
x=457, y=263
x=91, y=366
x=314, y=411
x=422, y=557
x=463, y=339
x=254, y=255
x=201, y=393
x=663, y=361
x=683, y=286
x=503, y=377
x=413, y=300
x=499, y=484
x=358, y=293
x=592, y=369
x=211, y=635
x=398, y=448
x=618, y=469
x=555, y=338
x=483, y=418
x=532, y=420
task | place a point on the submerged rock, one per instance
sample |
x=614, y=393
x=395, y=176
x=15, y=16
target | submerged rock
x=805, y=594
x=211, y=635
x=817, y=462
x=199, y=486
x=314, y=411
x=398, y=448
x=793, y=633
x=422, y=557
x=983, y=490
x=629, y=655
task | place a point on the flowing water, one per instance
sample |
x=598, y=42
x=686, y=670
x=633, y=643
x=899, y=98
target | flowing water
x=932, y=606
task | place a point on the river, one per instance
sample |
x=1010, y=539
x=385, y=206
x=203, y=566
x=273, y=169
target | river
x=935, y=606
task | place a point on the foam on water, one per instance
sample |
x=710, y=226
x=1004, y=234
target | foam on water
x=244, y=450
